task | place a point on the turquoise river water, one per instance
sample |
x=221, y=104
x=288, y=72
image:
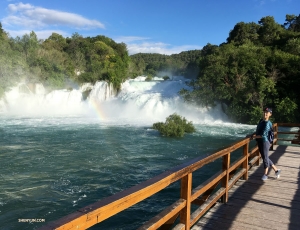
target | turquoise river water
x=52, y=166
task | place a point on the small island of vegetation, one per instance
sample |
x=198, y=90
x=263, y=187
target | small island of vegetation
x=174, y=126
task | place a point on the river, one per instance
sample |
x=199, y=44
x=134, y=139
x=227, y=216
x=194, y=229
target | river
x=59, y=153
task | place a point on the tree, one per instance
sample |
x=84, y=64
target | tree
x=292, y=22
x=243, y=32
x=3, y=35
x=236, y=76
x=270, y=31
x=55, y=41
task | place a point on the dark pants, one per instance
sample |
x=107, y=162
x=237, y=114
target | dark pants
x=264, y=147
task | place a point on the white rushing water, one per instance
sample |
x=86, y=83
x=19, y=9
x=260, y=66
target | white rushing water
x=138, y=102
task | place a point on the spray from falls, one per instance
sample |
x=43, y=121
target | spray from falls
x=138, y=102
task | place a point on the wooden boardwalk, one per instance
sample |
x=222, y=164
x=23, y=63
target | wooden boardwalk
x=257, y=204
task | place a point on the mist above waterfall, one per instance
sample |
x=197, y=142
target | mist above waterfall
x=138, y=102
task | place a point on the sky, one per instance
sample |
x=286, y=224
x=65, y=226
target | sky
x=145, y=26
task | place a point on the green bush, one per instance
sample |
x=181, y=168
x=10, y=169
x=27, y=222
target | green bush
x=166, y=77
x=174, y=126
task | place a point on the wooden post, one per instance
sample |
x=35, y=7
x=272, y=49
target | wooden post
x=245, y=163
x=276, y=133
x=258, y=159
x=186, y=190
x=225, y=167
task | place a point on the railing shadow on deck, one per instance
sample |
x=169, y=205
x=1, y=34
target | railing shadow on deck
x=205, y=195
x=225, y=214
x=295, y=203
x=257, y=174
x=294, y=217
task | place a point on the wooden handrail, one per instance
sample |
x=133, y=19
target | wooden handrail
x=205, y=195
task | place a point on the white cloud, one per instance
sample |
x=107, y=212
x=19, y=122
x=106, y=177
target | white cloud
x=29, y=16
x=158, y=47
x=127, y=39
x=137, y=44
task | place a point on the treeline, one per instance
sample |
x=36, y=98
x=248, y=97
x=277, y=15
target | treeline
x=258, y=66
x=56, y=60
x=182, y=64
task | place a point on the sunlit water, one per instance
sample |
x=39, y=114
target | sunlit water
x=59, y=153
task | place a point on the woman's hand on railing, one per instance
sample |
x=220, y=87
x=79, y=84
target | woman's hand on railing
x=251, y=136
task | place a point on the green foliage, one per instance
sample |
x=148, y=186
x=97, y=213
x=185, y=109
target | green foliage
x=258, y=66
x=174, y=126
x=270, y=31
x=155, y=64
x=292, y=22
x=285, y=110
x=55, y=81
x=243, y=32
x=57, y=58
x=166, y=77
x=254, y=114
x=149, y=78
x=13, y=66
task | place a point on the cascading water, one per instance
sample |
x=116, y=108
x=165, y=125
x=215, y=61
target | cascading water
x=138, y=101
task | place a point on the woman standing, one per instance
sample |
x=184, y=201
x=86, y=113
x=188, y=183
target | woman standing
x=261, y=136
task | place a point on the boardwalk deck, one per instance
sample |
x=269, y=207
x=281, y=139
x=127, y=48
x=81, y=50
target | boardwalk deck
x=255, y=204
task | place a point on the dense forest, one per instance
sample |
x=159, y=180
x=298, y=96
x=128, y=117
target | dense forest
x=56, y=60
x=257, y=66
x=183, y=64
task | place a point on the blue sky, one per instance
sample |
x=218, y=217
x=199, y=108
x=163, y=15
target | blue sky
x=147, y=26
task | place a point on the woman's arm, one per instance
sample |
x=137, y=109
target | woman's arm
x=255, y=136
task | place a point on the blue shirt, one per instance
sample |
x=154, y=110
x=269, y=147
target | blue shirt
x=263, y=129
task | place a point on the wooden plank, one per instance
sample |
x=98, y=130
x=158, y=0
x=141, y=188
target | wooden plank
x=230, y=212
x=240, y=205
x=250, y=217
x=236, y=177
x=288, y=124
x=245, y=163
x=288, y=132
x=206, y=205
x=218, y=224
x=236, y=164
x=246, y=188
x=164, y=216
x=179, y=226
x=199, y=190
x=225, y=167
x=253, y=161
x=169, y=223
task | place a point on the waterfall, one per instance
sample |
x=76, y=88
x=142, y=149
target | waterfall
x=102, y=91
x=138, y=101
x=33, y=100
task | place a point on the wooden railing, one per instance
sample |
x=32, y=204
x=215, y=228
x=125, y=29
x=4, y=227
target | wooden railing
x=205, y=195
x=295, y=140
